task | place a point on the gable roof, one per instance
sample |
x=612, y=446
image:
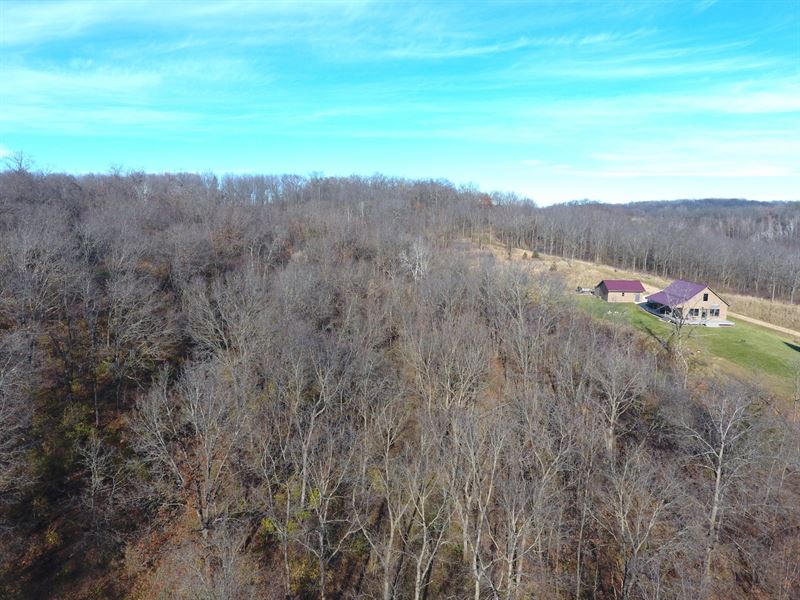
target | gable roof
x=678, y=292
x=622, y=285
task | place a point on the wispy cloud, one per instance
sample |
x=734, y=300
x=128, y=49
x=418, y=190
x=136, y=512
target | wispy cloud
x=600, y=71
x=40, y=22
x=758, y=154
x=29, y=84
x=662, y=171
x=704, y=5
x=471, y=48
x=426, y=51
x=600, y=91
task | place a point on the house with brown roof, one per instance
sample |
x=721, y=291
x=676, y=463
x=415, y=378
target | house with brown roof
x=620, y=290
x=691, y=302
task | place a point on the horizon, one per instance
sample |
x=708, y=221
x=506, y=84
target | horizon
x=119, y=169
x=613, y=102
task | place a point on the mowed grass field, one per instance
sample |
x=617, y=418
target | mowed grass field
x=748, y=351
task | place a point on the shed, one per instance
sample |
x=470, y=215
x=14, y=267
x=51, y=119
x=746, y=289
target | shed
x=620, y=290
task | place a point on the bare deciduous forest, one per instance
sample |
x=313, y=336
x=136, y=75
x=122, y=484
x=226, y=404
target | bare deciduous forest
x=291, y=387
x=739, y=246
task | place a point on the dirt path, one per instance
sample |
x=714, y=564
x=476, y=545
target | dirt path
x=791, y=332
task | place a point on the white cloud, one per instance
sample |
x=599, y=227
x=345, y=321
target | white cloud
x=778, y=95
x=26, y=23
x=597, y=70
x=454, y=50
x=666, y=171
x=30, y=83
x=459, y=48
x=716, y=158
x=703, y=5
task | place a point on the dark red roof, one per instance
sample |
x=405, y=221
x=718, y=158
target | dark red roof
x=677, y=293
x=622, y=285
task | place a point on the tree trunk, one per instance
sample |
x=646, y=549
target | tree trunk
x=713, y=527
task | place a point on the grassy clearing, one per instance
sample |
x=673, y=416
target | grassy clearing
x=752, y=346
x=746, y=350
x=629, y=314
x=777, y=313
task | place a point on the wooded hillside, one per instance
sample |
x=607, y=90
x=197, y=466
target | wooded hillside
x=288, y=387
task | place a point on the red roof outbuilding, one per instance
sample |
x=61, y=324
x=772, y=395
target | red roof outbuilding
x=622, y=285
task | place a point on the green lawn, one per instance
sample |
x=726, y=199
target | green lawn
x=765, y=356
x=753, y=347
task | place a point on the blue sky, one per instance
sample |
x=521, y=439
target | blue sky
x=611, y=101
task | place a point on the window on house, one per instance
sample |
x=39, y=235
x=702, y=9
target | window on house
x=714, y=312
x=705, y=297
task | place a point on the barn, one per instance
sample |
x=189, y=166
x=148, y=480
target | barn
x=620, y=290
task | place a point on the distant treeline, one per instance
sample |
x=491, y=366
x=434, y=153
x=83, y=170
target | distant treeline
x=735, y=245
x=745, y=247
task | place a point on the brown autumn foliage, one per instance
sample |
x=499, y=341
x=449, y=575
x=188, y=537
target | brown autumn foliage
x=274, y=386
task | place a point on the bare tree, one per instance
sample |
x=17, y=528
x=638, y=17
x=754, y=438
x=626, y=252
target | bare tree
x=527, y=308
x=382, y=501
x=578, y=423
x=190, y=435
x=307, y=452
x=633, y=510
x=140, y=331
x=106, y=479
x=34, y=268
x=528, y=499
x=476, y=445
x=279, y=434
x=431, y=507
x=227, y=318
x=723, y=435
x=416, y=260
x=329, y=465
x=450, y=361
x=16, y=376
x=620, y=376
x=217, y=567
